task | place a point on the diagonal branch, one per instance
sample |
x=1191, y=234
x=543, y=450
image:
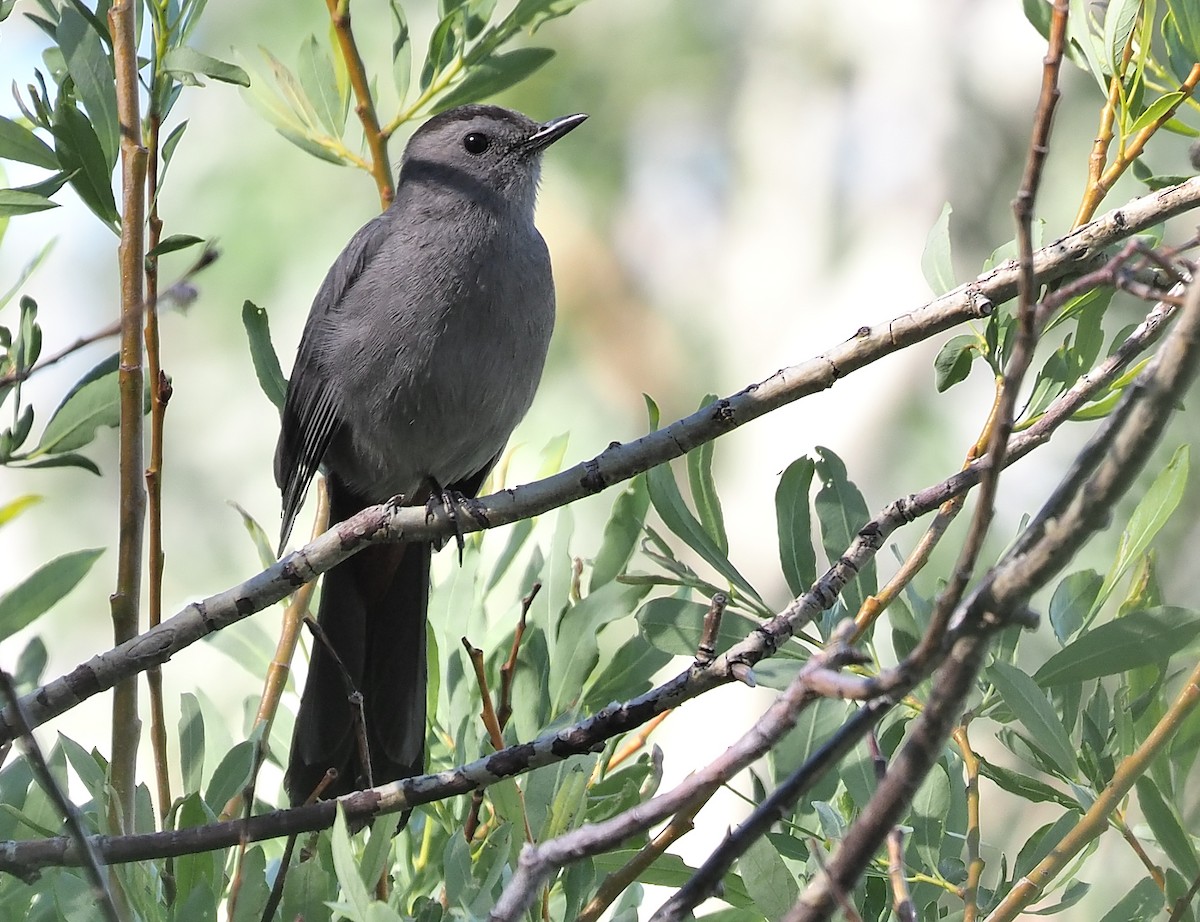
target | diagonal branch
x=1074, y=253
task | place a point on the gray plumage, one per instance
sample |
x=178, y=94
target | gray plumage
x=422, y=352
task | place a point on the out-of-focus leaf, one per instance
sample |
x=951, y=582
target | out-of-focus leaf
x=320, y=85
x=704, y=489
x=1140, y=638
x=196, y=875
x=793, y=519
x=401, y=51
x=621, y=533
x=43, y=588
x=1119, y=20
x=1148, y=518
x=444, y=45
x=262, y=354
x=671, y=871
x=353, y=889
x=191, y=742
x=67, y=459
x=626, y=674
x=230, y=775
x=19, y=143
x=15, y=202
x=935, y=260
x=262, y=544
x=1032, y=708
x=184, y=60
x=1072, y=600
x=494, y=75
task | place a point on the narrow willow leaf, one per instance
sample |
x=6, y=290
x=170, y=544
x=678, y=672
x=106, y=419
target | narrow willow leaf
x=621, y=533
x=1119, y=20
x=230, y=775
x=262, y=354
x=1164, y=822
x=44, y=588
x=92, y=73
x=1144, y=901
x=174, y=243
x=19, y=143
x=185, y=60
x=935, y=260
x=15, y=507
x=670, y=870
x=95, y=401
x=1148, y=518
x=82, y=157
x=793, y=519
x=319, y=82
x=1025, y=787
x=704, y=489
x=191, y=742
x=1140, y=638
x=1155, y=111
x=401, y=51
x=15, y=202
x=668, y=503
x=1032, y=708
x=841, y=512
x=494, y=75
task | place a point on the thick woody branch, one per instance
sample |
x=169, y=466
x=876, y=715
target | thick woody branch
x=1075, y=253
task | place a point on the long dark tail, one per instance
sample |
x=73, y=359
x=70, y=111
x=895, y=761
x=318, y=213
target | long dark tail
x=372, y=611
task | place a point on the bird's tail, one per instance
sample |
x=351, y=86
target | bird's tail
x=372, y=612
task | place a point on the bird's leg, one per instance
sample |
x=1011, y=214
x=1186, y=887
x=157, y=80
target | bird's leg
x=450, y=500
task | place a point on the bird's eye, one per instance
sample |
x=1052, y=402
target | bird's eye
x=476, y=142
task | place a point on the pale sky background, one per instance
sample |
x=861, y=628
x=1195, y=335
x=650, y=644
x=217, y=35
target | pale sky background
x=756, y=182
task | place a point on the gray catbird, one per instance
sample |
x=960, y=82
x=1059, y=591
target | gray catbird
x=421, y=354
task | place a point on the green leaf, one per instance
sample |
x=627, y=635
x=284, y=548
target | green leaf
x=704, y=489
x=768, y=881
x=320, y=85
x=1119, y=20
x=401, y=51
x=624, y=675
x=444, y=45
x=1140, y=638
x=1024, y=786
x=577, y=645
x=262, y=544
x=1032, y=708
x=1148, y=518
x=1164, y=822
x=668, y=503
x=353, y=888
x=93, y=402
x=262, y=354
x=82, y=157
x=1144, y=901
x=494, y=75
x=531, y=14
x=841, y=512
x=188, y=61
x=92, y=72
x=196, y=874
x=1186, y=18
x=191, y=742
x=1072, y=600
x=43, y=589
x=14, y=202
x=19, y=143
x=378, y=852
x=793, y=520
x=935, y=260
x=1155, y=111
x=670, y=870
x=953, y=362
x=621, y=533
x=230, y=776
x=173, y=243
x=676, y=625
x=68, y=459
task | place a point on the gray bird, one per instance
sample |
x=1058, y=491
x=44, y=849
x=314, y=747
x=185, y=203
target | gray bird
x=421, y=354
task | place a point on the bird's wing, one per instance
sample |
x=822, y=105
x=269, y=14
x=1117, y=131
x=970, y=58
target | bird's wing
x=311, y=413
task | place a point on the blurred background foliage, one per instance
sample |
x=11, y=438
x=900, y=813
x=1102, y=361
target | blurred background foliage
x=756, y=182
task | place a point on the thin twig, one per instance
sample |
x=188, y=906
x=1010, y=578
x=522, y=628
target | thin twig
x=706, y=650
x=901, y=898
x=89, y=858
x=778, y=804
x=975, y=863
x=381, y=169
